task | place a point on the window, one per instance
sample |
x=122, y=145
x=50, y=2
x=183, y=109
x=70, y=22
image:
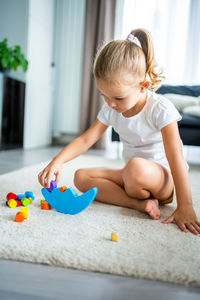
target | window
x=173, y=25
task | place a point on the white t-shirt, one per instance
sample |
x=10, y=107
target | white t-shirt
x=141, y=134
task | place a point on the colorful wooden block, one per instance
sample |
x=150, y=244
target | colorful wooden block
x=63, y=188
x=114, y=237
x=18, y=202
x=30, y=199
x=19, y=217
x=25, y=201
x=12, y=203
x=24, y=210
x=29, y=194
x=11, y=196
x=45, y=205
x=69, y=202
x=53, y=185
x=20, y=196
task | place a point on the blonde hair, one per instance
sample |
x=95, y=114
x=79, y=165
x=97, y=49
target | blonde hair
x=124, y=55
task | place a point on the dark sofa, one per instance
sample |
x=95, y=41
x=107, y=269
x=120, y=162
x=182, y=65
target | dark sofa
x=189, y=126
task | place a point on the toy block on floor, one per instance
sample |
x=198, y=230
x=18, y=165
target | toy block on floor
x=29, y=194
x=30, y=199
x=25, y=201
x=11, y=196
x=45, y=205
x=19, y=217
x=114, y=237
x=20, y=197
x=18, y=202
x=12, y=203
x=24, y=210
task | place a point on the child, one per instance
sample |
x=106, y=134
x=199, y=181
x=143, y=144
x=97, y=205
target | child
x=147, y=125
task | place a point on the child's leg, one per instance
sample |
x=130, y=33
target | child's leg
x=139, y=180
x=109, y=183
x=144, y=178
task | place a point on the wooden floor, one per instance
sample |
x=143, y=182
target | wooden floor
x=25, y=281
x=19, y=280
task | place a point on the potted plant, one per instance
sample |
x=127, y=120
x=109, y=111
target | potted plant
x=11, y=57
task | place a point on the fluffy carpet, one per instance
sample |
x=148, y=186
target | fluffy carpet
x=145, y=249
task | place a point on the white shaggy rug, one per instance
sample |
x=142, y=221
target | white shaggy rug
x=145, y=249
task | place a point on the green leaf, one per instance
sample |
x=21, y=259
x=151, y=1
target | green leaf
x=11, y=57
x=4, y=62
x=25, y=65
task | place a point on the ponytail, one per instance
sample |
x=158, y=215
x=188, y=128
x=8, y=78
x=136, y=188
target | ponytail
x=155, y=76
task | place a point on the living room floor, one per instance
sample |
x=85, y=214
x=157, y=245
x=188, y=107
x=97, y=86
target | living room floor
x=20, y=280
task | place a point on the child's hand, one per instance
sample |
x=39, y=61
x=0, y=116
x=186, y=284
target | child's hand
x=185, y=218
x=45, y=176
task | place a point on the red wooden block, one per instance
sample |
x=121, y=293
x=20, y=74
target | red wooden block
x=11, y=196
x=18, y=202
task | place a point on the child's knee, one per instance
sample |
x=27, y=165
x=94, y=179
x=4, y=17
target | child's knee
x=134, y=171
x=80, y=179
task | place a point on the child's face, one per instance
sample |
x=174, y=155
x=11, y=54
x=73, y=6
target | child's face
x=121, y=97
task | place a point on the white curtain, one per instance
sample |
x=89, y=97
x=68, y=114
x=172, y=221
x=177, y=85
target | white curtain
x=68, y=55
x=174, y=26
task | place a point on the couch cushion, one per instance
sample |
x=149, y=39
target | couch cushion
x=182, y=101
x=189, y=121
x=190, y=90
x=192, y=110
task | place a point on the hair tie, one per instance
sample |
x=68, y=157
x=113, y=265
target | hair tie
x=134, y=40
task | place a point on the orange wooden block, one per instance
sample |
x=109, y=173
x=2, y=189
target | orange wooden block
x=62, y=188
x=19, y=217
x=45, y=205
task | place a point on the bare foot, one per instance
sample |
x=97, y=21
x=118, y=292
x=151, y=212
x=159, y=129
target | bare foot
x=152, y=208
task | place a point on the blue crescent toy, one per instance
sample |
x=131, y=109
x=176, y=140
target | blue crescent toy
x=69, y=202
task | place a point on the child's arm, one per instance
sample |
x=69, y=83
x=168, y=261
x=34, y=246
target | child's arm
x=74, y=149
x=184, y=215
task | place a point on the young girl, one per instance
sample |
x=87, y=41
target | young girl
x=147, y=125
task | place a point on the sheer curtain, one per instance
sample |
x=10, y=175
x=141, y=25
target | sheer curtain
x=174, y=27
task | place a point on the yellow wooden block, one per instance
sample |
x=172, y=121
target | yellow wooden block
x=114, y=237
x=24, y=210
x=31, y=200
x=12, y=203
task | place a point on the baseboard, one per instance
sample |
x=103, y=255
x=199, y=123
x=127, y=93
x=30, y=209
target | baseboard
x=64, y=139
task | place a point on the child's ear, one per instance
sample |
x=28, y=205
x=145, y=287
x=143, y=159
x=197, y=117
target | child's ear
x=144, y=85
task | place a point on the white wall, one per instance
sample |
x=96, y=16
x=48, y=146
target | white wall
x=39, y=87
x=1, y=101
x=13, y=26
x=70, y=24
x=30, y=23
